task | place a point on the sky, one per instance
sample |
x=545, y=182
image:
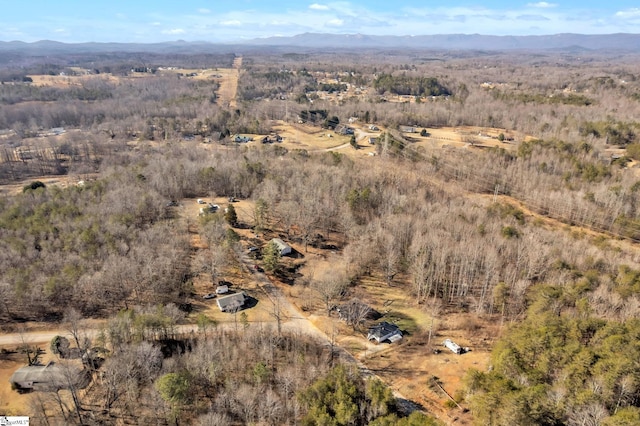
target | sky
x=226, y=21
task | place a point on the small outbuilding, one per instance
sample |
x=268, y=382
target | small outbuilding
x=231, y=303
x=407, y=129
x=284, y=248
x=383, y=332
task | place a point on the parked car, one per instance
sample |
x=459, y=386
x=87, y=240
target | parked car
x=201, y=201
x=252, y=249
x=209, y=296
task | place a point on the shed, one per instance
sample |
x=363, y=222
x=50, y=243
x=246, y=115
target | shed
x=47, y=377
x=232, y=302
x=384, y=331
x=284, y=248
x=452, y=346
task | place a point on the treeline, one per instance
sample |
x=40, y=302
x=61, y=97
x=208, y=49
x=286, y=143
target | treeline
x=563, y=99
x=15, y=93
x=132, y=103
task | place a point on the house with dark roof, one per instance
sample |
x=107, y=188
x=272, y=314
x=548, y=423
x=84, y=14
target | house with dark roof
x=231, y=303
x=341, y=129
x=383, y=332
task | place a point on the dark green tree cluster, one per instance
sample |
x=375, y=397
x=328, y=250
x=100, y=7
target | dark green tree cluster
x=33, y=186
x=614, y=132
x=408, y=85
x=331, y=87
x=343, y=398
x=561, y=365
x=271, y=257
x=314, y=115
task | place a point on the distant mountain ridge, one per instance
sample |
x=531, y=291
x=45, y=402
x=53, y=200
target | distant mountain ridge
x=612, y=42
x=620, y=41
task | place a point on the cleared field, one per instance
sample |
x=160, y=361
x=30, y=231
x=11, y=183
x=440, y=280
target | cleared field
x=70, y=80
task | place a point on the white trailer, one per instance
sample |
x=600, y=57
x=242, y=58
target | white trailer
x=452, y=346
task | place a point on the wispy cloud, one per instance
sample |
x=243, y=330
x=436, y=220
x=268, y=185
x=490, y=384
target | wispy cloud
x=204, y=11
x=634, y=12
x=231, y=23
x=335, y=22
x=532, y=18
x=174, y=31
x=542, y=5
x=316, y=6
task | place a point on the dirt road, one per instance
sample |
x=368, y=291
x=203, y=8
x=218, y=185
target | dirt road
x=229, y=85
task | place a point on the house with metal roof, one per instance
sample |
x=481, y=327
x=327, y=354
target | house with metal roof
x=231, y=303
x=48, y=377
x=284, y=248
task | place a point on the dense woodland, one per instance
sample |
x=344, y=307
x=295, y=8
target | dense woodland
x=444, y=224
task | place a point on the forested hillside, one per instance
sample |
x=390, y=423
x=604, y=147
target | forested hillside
x=425, y=185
